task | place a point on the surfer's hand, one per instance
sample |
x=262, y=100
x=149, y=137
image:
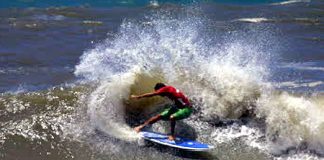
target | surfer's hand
x=134, y=97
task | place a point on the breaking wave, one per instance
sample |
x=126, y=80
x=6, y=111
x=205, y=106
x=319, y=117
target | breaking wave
x=226, y=77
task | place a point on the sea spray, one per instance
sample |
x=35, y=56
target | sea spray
x=106, y=107
x=293, y=122
x=225, y=77
x=111, y=63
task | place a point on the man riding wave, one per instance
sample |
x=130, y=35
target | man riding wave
x=179, y=110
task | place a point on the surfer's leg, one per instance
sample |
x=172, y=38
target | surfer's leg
x=150, y=121
x=166, y=113
x=153, y=119
x=180, y=114
x=172, y=122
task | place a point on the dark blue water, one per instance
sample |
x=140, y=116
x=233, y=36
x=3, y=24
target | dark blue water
x=39, y=47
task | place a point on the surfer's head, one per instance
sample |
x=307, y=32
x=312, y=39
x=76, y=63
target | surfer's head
x=158, y=86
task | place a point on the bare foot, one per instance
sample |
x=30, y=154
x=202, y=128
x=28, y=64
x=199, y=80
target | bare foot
x=171, y=138
x=138, y=128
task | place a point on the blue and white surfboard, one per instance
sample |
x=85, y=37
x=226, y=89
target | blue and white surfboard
x=181, y=143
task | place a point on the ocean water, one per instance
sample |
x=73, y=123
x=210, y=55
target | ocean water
x=254, y=71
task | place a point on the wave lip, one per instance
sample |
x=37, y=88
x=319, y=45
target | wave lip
x=304, y=66
x=290, y=2
x=297, y=85
x=305, y=21
x=254, y=20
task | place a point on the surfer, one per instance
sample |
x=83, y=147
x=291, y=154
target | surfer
x=179, y=110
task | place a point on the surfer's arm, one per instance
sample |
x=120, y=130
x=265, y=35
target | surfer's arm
x=144, y=95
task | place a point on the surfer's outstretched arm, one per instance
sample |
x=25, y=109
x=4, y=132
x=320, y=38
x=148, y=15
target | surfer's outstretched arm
x=144, y=95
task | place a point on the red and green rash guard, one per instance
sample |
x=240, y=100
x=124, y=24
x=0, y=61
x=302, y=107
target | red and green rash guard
x=174, y=94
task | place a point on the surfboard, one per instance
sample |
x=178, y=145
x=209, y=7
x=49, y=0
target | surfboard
x=181, y=143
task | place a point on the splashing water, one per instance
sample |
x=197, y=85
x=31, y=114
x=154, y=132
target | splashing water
x=224, y=76
x=102, y=107
x=175, y=47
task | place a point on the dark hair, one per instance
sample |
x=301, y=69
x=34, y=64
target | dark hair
x=158, y=86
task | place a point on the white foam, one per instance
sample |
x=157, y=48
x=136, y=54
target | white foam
x=252, y=136
x=292, y=121
x=49, y=17
x=254, y=20
x=106, y=108
x=303, y=66
x=154, y=3
x=292, y=84
x=290, y=2
x=299, y=156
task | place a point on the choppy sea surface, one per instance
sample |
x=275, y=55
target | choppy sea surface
x=254, y=71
